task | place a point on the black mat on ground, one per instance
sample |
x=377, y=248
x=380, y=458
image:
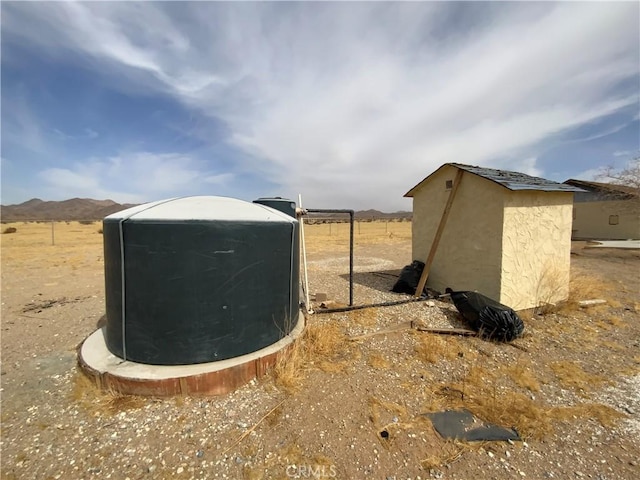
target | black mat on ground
x=462, y=425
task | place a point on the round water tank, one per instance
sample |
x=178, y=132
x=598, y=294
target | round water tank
x=199, y=279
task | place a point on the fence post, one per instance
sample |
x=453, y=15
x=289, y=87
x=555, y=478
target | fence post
x=53, y=241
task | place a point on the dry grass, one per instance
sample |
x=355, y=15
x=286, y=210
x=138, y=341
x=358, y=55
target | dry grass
x=86, y=394
x=322, y=345
x=604, y=414
x=76, y=247
x=485, y=391
x=324, y=339
x=585, y=287
x=378, y=361
x=450, y=451
x=288, y=372
x=383, y=409
x=521, y=373
x=334, y=237
x=552, y=286
x=433, y=348
x=483, y=395
x=571, y=375
x=366, y=317
x=615, y=321
x=433, y=401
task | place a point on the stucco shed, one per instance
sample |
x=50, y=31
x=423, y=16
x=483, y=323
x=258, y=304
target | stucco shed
x=508, y=235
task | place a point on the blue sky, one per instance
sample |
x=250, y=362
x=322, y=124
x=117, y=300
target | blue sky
x=350, y=104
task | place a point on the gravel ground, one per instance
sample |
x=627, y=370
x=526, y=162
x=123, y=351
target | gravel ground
x=56, y=425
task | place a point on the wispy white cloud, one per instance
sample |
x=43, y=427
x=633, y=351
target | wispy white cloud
x=604, y=133
x=529, y=166
x=360, y=100
x=623, y=153
x=21, y=125
x=87, y=135
x=220, y=179
x=592, y=174
x=135, y=177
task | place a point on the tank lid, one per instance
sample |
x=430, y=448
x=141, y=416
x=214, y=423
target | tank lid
x=203, y=208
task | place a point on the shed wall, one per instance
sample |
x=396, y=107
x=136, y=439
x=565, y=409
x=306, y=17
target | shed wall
x=470, y=249
x=536, y=246
x=592, y=220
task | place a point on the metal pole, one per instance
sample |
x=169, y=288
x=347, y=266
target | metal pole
x=304, y=259
x=53, y=240
x=351, y=215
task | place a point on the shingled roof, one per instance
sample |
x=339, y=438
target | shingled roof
x=622, y=191
x=507, y=179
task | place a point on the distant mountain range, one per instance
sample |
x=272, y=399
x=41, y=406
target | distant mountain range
x=73, y=209
x=364, y=215
x=89, y=209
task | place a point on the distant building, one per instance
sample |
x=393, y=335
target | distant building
x=605, y=211
x=508, y=235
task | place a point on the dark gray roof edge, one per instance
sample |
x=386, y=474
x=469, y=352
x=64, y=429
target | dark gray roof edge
x=591, y=186
x=514, y=181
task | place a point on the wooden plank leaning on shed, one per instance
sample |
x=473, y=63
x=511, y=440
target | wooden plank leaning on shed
x=436, y=239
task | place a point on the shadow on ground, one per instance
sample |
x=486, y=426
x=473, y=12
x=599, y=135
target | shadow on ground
x=382, y=280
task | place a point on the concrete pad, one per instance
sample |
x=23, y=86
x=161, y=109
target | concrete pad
x=212, y=378
x=613, y=244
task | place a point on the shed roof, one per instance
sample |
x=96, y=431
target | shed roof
x=507, y=179
x=623, y=191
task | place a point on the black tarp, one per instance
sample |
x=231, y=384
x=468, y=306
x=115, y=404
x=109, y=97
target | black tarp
x=491, y=319
x=409, y=278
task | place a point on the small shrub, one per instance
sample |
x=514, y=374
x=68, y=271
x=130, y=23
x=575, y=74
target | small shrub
x=86, y=222
x=100, y=231
x=10, y=230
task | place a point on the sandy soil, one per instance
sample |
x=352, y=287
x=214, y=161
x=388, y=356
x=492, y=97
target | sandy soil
x=571, y=388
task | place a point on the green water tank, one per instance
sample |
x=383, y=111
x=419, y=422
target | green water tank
x=199, y=279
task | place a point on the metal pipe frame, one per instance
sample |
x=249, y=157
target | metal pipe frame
x=351, y=222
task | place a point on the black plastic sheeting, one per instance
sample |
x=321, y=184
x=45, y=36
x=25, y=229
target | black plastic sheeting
x=199, y=291
x=489, y=318
x=462, y=425
x=409, y=278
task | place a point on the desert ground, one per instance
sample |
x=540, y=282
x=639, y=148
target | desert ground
x=342, y=403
